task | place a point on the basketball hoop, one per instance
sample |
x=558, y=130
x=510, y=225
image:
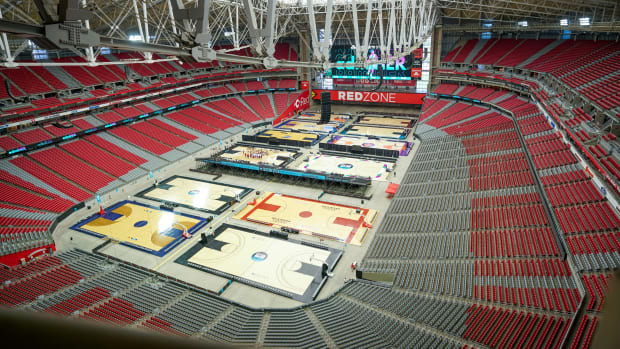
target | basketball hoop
x=185, y=233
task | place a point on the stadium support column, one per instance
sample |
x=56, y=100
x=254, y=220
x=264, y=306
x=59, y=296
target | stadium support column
x=435, y=49
x=313, y=33
x=252, y=25
x=362, y=57
x=4, y=44
x=356, y=32
x=325, y=46
x=172, y=21
x=304, y=54
x=269, y=31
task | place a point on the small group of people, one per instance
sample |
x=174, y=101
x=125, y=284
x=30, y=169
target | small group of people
x=254, y=154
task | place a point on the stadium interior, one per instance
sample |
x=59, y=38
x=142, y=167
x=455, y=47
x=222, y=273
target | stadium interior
x=310, y=173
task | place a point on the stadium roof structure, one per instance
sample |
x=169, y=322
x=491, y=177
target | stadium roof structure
x=194, y=28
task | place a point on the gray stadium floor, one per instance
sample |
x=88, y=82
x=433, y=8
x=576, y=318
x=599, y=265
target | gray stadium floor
x=66, y=238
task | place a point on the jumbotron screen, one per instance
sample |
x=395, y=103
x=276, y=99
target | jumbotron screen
x=397, y=69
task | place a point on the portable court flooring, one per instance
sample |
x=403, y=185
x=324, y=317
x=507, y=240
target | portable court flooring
x=197, y=194
x=384, y=121
x=141, y=226
x=376, y=143
x=347, y=166
x=285, y=135
x=256, y=154
x=323, y=219
x=309, y=126
x=286, y=267
x=317, y=116
x=376, y=131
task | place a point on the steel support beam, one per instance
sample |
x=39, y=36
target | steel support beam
x=5, y=45
x=356, y=31
x=251, y=22
x=313, y=33
x=403, y=21
x=392, y=26
x=203, y=37
x=327, y=32
x=69, y=10
x=270, y=28
x=46, y=17
x=362, y=56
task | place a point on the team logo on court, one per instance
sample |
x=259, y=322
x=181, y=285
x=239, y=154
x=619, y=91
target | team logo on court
x=345, y=166
x=368, y=145
x=140, y=224
x=259, y=256
x=193, y=192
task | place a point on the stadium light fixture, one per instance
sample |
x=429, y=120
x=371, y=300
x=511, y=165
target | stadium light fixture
x=135, y=37
x=522, y=23
x=584, y=21
x=564, y=22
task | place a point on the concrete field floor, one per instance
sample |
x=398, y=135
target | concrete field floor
x=66, y=238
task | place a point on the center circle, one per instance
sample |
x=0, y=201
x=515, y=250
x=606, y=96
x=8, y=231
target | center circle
x=368, y=145
x=259, y=256
x=345, y=166
x=140, y=224
x=305, y=214
x=193, y=192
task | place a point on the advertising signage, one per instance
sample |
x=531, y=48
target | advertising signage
x=301, y=103
x=416, y=64
x=395, y=69
x=373, y=97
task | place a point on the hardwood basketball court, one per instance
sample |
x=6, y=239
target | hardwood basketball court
x=285, y=267
x=317, y=116
x=323, y=219
x=141, y=226
x=378, y=143
x=309, y=126
x=285, y=134
x=347, y=166
x=384, y=121
x=382, y=132
x=207, y=196
x=258, y=155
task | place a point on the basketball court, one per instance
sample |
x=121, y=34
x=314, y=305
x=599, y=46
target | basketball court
x=385, y=121
x=347, y=166
x=382, y=132
x=285, y=267
x=309, y=126
x=317, y=116
x=375, y=143
x=259, y=155
x=207, y=196
x=287, y=137
x=141, y=226
x=311, y=217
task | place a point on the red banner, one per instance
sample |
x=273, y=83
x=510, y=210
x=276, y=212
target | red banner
x=14, y=259
x=301, y=103
x=373, y=97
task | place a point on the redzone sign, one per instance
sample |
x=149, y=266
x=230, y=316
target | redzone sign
x=374, y=97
